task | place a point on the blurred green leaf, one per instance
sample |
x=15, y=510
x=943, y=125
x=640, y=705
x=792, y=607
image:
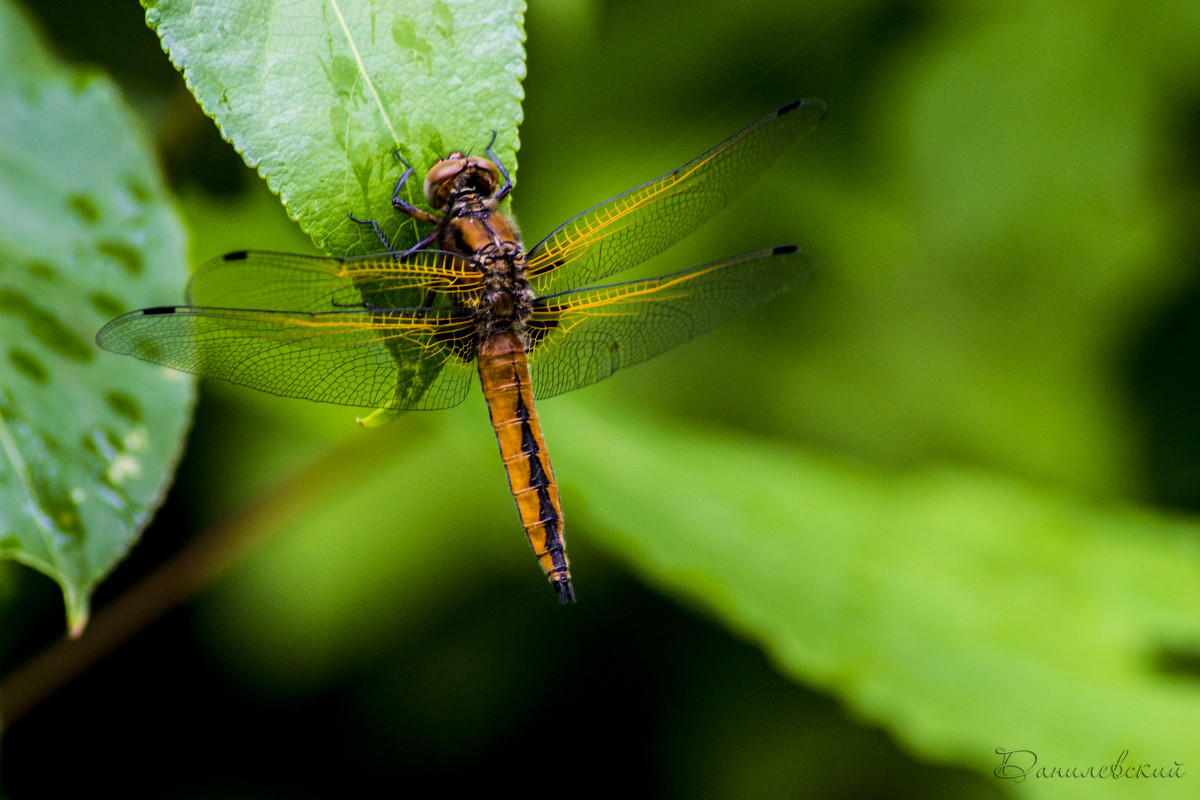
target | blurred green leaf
x=87, y=440
x=962, y=611
x=319, y=95
x=20, y=50
x=995, y=228
x=391, y=552
x=959, y=610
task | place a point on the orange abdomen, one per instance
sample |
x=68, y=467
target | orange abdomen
x=504, y=374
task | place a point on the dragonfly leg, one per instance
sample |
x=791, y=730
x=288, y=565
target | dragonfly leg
x=419, y=245
x=508, y=185
x=375, y=227
x=403, y=205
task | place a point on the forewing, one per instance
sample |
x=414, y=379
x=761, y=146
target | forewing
x=400, y=360
x=643, y=222
x=259, y=280
x=582, y=337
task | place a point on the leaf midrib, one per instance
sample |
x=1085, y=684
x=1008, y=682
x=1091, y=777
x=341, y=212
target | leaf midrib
x=358, y=63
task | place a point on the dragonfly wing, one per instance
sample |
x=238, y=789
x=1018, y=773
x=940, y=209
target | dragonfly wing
x=632, y=227
x=582, y=337
x=402, y=360
x=286, y=282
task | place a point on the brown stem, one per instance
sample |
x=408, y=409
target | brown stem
x=195, y=566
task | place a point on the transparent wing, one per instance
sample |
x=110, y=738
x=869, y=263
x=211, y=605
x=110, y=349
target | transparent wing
x=644, y=221
x=286, y=282
x=414, y=359
x=585, y=336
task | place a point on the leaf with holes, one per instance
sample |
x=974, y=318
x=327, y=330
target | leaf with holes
x=88, y=440
x=319, y=94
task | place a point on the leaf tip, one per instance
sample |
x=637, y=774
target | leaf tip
x=78, y=620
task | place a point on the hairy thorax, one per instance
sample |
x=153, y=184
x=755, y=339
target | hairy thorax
x=492, y=239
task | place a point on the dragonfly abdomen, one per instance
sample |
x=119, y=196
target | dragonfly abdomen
x=504, y=375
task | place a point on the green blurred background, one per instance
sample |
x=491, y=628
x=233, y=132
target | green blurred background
x=1004, y=202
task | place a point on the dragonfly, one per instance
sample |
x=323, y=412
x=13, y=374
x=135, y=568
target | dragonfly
x=405, y=330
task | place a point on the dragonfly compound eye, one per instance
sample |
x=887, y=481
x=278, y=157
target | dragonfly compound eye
x=438, y=179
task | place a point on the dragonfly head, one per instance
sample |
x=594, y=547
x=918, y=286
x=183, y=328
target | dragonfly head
x=456, y=173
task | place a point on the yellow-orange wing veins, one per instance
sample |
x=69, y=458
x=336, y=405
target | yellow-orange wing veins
x=346, y=331
x=584, y=336
x=642, y=222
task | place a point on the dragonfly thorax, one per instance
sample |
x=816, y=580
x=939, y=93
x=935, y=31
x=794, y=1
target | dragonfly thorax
x=506, y=302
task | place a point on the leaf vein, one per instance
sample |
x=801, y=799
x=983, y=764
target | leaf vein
x=362, y=70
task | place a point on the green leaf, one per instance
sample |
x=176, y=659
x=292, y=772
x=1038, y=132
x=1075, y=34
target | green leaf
x=319, y=95
x=88, y=440
x=963, y=611
x=20, y=50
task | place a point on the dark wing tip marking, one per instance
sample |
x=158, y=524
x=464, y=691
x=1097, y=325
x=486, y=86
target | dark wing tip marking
x=784, y=249
x=239, y=255
x=815, y=103
x=149, y=312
